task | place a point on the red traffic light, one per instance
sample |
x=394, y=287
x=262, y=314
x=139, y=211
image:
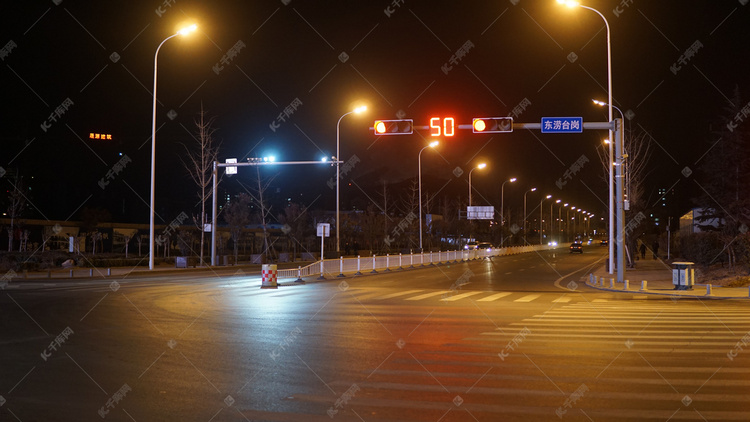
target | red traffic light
x=492, y=124
x=394, y=127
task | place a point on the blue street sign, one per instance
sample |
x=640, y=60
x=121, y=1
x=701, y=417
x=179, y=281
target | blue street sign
x=562, y=124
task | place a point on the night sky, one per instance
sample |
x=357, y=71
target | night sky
x=71, y=68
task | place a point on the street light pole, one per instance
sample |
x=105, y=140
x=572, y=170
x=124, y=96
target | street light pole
x=432, y=144
x=502, y=209
x=480, y=166
x=338, y=173
x=541, y=218
x=559, y=220
x=551, y=225
x=524, y=213
x=183, y=31
x=571, y=3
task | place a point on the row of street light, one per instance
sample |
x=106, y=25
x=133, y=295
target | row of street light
x=617, y=160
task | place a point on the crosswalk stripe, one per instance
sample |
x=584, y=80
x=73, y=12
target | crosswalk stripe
x=397, y=294
x=564, y=299
x=426, y=295
x=496, y=296
x=527, y=298
x=461, y=296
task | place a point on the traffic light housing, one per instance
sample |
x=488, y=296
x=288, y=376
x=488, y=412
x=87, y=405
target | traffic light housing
x=394, y=127
x=492, y=124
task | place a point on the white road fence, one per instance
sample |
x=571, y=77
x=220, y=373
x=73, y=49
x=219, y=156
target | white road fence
x=375, y=264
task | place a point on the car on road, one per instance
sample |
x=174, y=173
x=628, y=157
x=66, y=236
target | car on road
x=484, y=246
x=576, y=247
x=604, y=242
x=471, y=246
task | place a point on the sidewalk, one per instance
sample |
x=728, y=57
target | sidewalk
x=658, y=275
x=79, y=273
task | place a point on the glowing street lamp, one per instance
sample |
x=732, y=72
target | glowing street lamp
x=524, y=212
x=432, y=144
x=480, y=166
x=502, y=208
x=338, y=173
x=551, y=226
x=183, y=31
x=572, y=3
x=541, y=219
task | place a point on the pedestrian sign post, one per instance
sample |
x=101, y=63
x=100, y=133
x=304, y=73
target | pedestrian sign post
x=324, y=230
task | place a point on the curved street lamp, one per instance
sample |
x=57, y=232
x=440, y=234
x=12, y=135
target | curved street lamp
x=541, y=219
x=524, y=213
x=338, y=173
x=432, y=144
x=480, y=166
x=571, y=3
x=502, y=207
x=183, y=31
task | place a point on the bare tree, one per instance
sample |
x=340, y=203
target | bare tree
x=296, y=225
x=199, y=164
x=409, y=205
x=237, y=215
x=637, y=150
x=16, y=205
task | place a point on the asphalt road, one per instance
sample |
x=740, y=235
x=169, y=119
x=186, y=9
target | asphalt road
x=507, y=339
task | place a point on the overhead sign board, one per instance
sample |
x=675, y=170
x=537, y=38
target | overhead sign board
x=562, y=124
x=480, y=213
x=231, y=169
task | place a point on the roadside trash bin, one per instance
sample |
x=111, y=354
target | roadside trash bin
x=683, y=275
x=181, y=262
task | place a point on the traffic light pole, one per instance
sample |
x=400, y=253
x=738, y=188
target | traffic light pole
x=506, y=124
x=215, y=183
x=619, y=213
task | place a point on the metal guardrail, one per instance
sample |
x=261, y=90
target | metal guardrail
x=374, y=264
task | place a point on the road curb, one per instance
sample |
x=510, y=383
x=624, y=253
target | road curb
x=671, y=293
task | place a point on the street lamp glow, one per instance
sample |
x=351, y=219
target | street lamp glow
x=481, y=166
x=569, y=3
x=512, y=179
x=433, y=144
x=360, y=109
x=188, y=29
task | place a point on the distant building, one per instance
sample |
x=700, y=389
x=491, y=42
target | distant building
x=689, y=223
